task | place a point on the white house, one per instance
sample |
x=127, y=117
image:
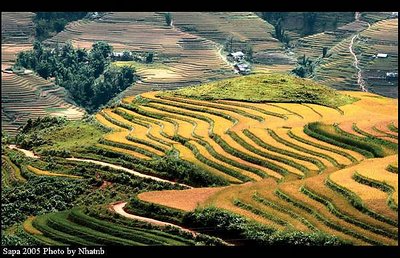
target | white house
x=117, y=54
x=237, y=55
x=391, y=75
x=380, y=55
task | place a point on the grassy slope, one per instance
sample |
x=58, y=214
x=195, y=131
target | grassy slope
x=73, y=136
x=263, y=88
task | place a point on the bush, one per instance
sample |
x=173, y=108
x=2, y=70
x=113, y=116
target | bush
x=231, y=226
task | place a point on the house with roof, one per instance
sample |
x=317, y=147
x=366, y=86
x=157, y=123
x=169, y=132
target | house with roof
x=237, y=56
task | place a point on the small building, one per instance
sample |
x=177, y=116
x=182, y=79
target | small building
x=380, y=55
x=117, y=54
x=237, y=55
x=242, y=68
x=392, y=75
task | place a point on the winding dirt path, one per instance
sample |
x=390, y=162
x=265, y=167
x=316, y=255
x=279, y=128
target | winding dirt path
x=222, y=56
x=30, y=154
x=130, y=171
x=118, y=207
x=360, y=80
x=27, y=153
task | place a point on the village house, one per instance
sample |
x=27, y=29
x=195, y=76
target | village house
x=381, y=55
x=237, y=56
x=242, y=68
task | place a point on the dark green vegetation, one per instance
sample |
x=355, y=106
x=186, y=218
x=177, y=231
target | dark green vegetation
x=307, y=23
x=56, y=136
x=263, y=88
x=47, y=24
x=305, y=67
x=87, y=75
x=227, y=225
x=370, y=146
x=98, y=226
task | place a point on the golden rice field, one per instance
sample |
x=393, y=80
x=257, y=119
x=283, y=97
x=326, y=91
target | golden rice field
x=281, y=175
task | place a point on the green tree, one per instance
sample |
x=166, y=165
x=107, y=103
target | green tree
x=126, y=56
x=249, y=52
x=304, y=68
x=324, y=51
x=228, y=45
x=309, y=19
x=168, y=18
x=149, y=57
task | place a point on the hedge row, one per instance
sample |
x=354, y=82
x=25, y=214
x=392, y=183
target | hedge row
x=269, y=147
x=323, y=147
x=383, y=186
x=193, y=108
x=385, y=133
x=249, y=158
x=393, y=128
x=41, y=224
x=369, y=138
x=305, y=150
x=128, y=147
x=392, y=168
x=292, y=214
x=136, y=234
x=217, y=166
x=261, y=213
x=286, y=109
x=145, y=124
x=314, y=130
x=14, y=168
x=222, y=158
x=331, y=207
x=324, y=220
x=115, y=121
x=209, y=104
x=266, y=112
x=59, y=221
x=251, y=148
x=357, y=202
x=155, y=211
x=305, y=105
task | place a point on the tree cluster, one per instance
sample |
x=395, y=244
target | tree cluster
x=305, y=67
x=87, y=75
x=49, y=23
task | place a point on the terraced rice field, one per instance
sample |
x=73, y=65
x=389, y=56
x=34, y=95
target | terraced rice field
x=143, y=32
x=26, y=96
x=293, y=178
x=378, y=35
x=29, y=96
x=10, y=173
x=75, y=227
x=243, y=27
x=17, y=27
x=40, y=172
x=381, y=37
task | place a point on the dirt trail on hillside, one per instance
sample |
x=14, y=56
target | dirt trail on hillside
x=360, y=80
x=27, y=153
x=118, y=207
x=31, y=154
x=130, y=171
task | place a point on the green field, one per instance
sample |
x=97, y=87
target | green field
x=266, y=88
